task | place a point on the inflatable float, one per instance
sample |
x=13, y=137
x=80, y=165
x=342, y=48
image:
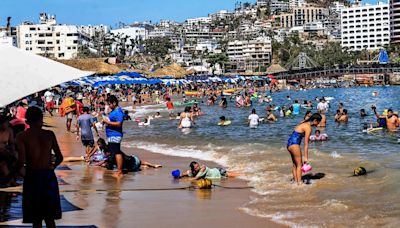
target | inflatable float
x=192, y=94
x=226, y=123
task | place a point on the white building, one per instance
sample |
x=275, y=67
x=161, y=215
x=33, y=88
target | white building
x=296, y=3
x=136, y=33
x=48, y=38
x=365, y=27
x=5, y=39
x=160, y=32
x=220, y=15
x=276, y=6
x=262, y=3
x=249, y=55
x=313, y=27
x=395, y=21
x=91, y=30
x=209, y=45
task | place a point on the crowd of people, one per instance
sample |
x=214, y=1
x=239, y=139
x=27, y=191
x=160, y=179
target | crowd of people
x=98, y=110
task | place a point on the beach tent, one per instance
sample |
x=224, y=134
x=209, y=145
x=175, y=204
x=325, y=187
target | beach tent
x=24, y=73
x=130, y=74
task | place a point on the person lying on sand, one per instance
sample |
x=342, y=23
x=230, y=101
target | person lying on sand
x=198, y=171
x=130, y=163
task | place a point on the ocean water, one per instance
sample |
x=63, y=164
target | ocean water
x=332, y=197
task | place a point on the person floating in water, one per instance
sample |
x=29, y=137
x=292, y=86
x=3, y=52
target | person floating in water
x=318, y=136
x=40, y=197
x=198, y=171
x=363, y=113
x=303, y=130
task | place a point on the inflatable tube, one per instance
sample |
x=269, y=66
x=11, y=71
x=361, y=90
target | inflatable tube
x=374, y=129
x=226, y=123
x=329, y=98
x=228, y=91
x=192, y=93
x=180, y=104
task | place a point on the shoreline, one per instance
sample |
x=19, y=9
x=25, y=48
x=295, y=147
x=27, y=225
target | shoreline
x=129, y=201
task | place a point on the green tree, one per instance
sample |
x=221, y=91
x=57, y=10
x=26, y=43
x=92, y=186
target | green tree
x=220, y=59
x=83, y=51
x=158, y=46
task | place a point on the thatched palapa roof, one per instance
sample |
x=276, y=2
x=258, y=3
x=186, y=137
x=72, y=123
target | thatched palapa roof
x=275, y=68
x=97, y=65
x=173, y=70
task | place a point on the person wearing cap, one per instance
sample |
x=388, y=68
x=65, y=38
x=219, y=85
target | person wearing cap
x=392, y=121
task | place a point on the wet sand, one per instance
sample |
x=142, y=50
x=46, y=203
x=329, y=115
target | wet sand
x=130, y=202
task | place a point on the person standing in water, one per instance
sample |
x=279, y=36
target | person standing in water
x=253, y=119
x=40, y=197
x=391, y=121
x=186, y=118
x=303, y=130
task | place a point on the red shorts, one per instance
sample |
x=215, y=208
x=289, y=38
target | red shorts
x=50, y=105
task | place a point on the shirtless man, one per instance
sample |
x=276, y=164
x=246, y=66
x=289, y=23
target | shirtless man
x=8, y=156
x=344, y=117
x=392, y=122
x=41, y=199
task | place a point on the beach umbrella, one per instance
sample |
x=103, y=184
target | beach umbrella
x=230, y=80
x=24, y=73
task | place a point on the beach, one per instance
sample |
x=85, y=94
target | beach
x=130, y=202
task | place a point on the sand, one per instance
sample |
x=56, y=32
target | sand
x=108, y=202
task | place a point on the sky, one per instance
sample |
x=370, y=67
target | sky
x=110, y=12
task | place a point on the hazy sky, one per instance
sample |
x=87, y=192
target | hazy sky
x=109, y=12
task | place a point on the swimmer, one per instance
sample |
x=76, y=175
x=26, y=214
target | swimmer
x=223, y=103
x=392, y=121
x=363, y=113
x=344, y=117
x=158, y=115
x=145, y=123
x=301, y=131
x=289, y=111
x=186, y=118
x=198, y=171
x=323, y=120
x=318, y=136
x=126, y=115
x=253, y=119
x=271, y=117
x=222, y=120
x=307, y=115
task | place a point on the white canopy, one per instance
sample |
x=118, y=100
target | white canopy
x=23, y=73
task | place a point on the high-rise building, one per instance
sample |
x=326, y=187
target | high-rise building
x=395, y=21
x=365, y=27
x=49, y=39
x=249, y=55
x=302, y=15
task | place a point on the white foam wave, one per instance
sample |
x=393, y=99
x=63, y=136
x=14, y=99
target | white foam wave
x=335, y=154
x=181, y=151
x=280, y=218
x=334, y=204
